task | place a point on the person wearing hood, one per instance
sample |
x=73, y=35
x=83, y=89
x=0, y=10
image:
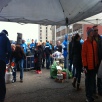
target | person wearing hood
x=5, y=52
x=48, y=53
x=65, y=52
x=90, y=62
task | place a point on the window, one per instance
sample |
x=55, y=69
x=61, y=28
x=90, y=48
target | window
x=46, y=37
x=40, y=34
x=40, y=40
x=40, y=30
x=40, y=37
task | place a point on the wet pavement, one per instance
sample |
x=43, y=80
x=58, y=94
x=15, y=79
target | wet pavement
x=41, y=88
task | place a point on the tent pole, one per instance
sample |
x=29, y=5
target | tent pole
x=67, y=63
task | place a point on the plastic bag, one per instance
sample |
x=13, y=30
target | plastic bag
x=53, y=70
x=68, y=73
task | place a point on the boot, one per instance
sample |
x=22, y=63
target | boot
x=78, y=86
x=74, y=82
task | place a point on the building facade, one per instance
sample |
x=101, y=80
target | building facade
x=45, y=33
x=73, y=29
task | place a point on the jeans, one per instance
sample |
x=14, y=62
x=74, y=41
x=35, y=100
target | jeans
x=20, y=63
x=48, y=61
x=51, y=60
x=78, y=75
x=70, y=65
x=2, y=80
x=65, y=62
x=89, y=84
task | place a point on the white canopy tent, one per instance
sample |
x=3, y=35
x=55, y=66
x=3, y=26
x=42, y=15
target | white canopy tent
x=48, y=12
x=52, y=12
x=96, y=20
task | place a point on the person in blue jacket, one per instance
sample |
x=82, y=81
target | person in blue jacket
x=24, y=46
x=65, y=52
x=32, y=46
x=5, y=52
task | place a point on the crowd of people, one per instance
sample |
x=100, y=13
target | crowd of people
x=84, y=56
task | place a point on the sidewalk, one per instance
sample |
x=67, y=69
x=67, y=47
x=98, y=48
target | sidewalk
x=41, y=88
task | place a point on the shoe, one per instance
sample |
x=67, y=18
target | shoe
x=100, y=94
x=2, y=100
x=74, y=82
x=13, y=80
x=95, y=96
x=39, y=72
x=92, y=100
x=21, y=80
x=78, y=87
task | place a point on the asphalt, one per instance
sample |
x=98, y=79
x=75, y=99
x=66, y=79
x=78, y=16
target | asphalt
x=41, y=88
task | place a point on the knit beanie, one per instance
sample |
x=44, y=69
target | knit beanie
x=89, y=30
x=5, y=32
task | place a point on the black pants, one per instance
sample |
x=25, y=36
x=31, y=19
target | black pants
x=89, y=84
x=78, y=74
x=2, y=80
x=98, y=84
x=43, y=62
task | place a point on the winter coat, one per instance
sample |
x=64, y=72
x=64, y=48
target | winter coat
x=24, y=46
x=48, y=49
x=99, y=43
x=58, y=48
x=38, y=55
x=90, y=54
x=64, y=46
x=5, y=47
x=70, y=50
x=18, y=54
x=76, y=54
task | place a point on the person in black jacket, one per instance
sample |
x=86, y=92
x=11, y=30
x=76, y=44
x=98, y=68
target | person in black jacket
x=5, y=52
x=38, y=57
x=43, y=55
x=70, y=54
x=48, y=54
x=77, y=60
x=98, y=40
x=58, y=47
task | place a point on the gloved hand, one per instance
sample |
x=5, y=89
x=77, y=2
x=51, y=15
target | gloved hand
x=85, y=69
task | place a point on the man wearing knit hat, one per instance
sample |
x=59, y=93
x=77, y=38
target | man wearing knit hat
x=98, y=40
x=90, y=62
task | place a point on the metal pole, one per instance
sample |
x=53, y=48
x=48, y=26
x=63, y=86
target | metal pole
x=67, y=63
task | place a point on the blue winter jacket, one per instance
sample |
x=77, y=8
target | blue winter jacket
x=65, y=45
x=24, y=46
x=5, y=47
x=32, y=45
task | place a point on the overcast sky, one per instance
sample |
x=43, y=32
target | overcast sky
x=29, y=31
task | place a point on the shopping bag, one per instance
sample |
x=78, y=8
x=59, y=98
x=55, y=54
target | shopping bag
x=99, y=75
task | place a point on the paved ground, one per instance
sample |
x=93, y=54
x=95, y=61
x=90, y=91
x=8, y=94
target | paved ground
x=41, y=88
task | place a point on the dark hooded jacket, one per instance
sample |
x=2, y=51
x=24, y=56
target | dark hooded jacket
x=5, y=47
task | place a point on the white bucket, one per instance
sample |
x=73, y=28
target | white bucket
x=8, y=77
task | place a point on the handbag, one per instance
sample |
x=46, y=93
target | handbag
x=99, y=75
